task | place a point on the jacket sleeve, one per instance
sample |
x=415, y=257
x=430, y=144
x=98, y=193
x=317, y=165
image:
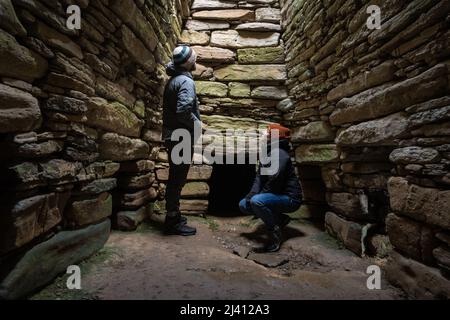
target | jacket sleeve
x=185, y=104
x=271, y=181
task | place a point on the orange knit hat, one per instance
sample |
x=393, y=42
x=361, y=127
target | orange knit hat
x=283, y=132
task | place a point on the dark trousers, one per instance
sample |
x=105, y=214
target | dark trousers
x=177, y=179
x=270, y=208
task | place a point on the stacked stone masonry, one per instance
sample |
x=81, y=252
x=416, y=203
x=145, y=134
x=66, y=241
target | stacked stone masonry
x=240, y=81
x=370, y=109
x=80, y=121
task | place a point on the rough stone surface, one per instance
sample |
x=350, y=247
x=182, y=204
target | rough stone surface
x=27, y=276
x=418, y=280
x=20, y=110
x=350, y=233
x=251, y=73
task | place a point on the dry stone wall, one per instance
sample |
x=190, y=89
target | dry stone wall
x=370, y=109
x=240, y=78
x=80, y=121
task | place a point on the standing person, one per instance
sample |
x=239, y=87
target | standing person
x=181, y=111
x=274, y=195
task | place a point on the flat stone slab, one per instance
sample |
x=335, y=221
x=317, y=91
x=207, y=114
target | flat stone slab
x=226, y=15
x=206, y=25
x=252, y=73
x=193, y=37
x=213, y=54
x=268, y=15
x=213, y=4
x=259, y=26
x=261, y=55
x=244, y=39
x=269, y=260
x=40, y=265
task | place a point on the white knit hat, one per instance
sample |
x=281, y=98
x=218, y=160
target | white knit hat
x=185, y=57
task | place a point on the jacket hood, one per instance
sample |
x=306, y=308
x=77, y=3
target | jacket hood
x=173, y=71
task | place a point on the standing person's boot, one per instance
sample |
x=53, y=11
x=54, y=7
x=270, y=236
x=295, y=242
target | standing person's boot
x=284, y=220
x=177, y=225
x=274, y=244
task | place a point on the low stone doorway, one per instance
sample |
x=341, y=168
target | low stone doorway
x=228, y=185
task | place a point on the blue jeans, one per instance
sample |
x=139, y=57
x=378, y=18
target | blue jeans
x=270, y=207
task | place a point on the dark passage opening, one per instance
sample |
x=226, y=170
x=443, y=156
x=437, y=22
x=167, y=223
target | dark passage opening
x=229, y=184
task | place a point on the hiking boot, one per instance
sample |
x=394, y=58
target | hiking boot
x=274, y=244
x=178, y=226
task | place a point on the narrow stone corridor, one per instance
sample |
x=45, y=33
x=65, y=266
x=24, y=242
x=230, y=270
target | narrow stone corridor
x=83, y=168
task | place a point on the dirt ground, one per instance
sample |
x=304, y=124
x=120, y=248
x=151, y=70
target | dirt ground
x=219, y=263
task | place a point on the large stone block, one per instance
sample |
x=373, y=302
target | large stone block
x=9, y=20
x=259, y=26
x=84, y=212
x=383, y=73
x=422, y=204
x=47, y=260
x=195, y=190
x=57, y=40
x=353, y=206
x=113, y=117
x=27, y=219
x=19, y=110
x=192, y=37
x=118, y=148
x=210, y=88
x=252, y=73
x=270, y=92
x=414, y=239
x=316, y=153
x=213, y=4
x=350, y=233
x=198, y=25
x=261, y=55
x=193, y=206
x=244, y=39
x=388, y=99
x=214, y=55
x=316, y=131
x=268, y=15
x=416, y=279
x=225, y=15
x=130, y=220
x=19, y=62
x=416, y=155
x=378, y=132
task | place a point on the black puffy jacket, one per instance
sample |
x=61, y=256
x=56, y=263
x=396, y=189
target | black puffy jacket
x=284, y=182
x=180, y=104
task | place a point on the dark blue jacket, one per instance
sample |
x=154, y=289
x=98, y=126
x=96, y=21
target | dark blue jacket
x=180, y=104
x=284, y=182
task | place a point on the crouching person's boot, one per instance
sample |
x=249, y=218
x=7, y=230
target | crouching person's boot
x=177, y=225
x=274, y=243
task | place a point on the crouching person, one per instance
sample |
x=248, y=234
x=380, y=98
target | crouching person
x=272, y=196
